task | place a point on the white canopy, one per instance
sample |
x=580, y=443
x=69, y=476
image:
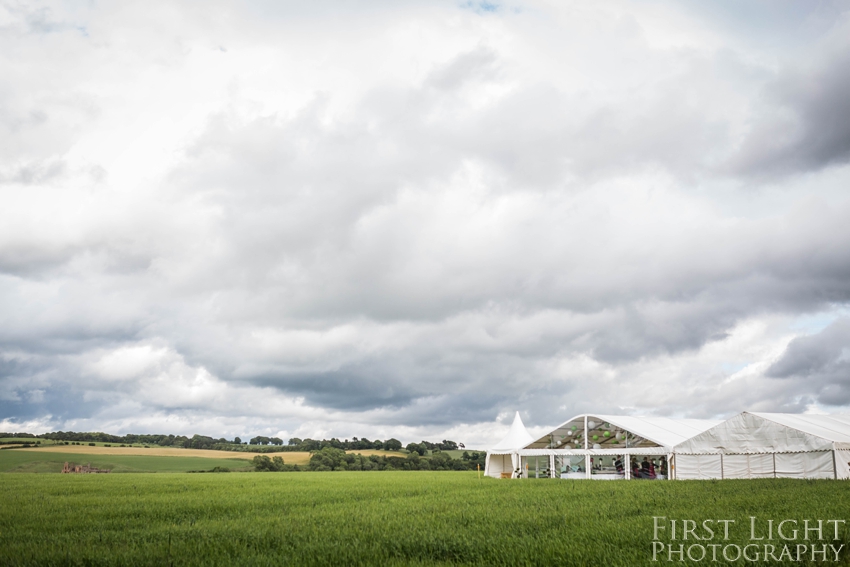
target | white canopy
x=517, y=437
x=755, y=432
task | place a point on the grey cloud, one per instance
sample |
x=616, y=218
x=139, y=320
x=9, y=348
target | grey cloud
x=417, y=254
x=36, y=173
x=801, y=125
x=820, y=363
x=479, y=64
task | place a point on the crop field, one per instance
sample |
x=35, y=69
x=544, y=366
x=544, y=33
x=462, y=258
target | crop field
x=40, y=461
x=375, y=518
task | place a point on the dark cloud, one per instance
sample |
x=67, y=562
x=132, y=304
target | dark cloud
x=820, y=363
x=799, y=124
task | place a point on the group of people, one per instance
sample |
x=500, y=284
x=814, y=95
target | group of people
x=646, y=468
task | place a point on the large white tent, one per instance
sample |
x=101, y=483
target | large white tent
x=588, y=446
x=748, y=445
x=768, y=445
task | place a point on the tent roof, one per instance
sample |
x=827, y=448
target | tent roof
x=517, y=437
x=664, y=431
x=755, y=432
x=831, y=427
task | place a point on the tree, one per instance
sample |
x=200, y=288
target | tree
x=416, y=448
x=263, y=463
x=237, y=440
x=392, y=445
x=295, y=441
x=330, y=459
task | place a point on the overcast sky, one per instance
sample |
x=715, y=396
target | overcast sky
x=412, y=219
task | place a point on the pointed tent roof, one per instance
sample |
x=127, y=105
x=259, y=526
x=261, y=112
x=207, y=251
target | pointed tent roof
x=517, y=437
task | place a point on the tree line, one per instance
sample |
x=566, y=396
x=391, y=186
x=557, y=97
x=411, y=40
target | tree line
x=258, y=444
x=333, y=459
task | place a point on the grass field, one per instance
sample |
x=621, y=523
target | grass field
x=381, y=518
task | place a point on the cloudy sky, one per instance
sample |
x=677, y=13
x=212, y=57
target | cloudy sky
x=411, y=219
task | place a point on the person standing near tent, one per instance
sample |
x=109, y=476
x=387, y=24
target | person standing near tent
x=644, y=468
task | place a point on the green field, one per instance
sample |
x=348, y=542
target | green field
x=374, y=518
x=34, y=461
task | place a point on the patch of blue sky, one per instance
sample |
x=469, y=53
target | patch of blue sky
x=813, y=323
x=733, y=367
x=480, y=7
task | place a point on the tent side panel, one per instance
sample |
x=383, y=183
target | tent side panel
x=761, y=465
x=748, y=466
x=814, y=464
x=496, y=465
x=842, y=464
x=698, y=467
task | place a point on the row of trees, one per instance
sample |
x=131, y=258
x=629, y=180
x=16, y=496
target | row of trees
x=333, y=459
x=194, y=442
x=260, y=440
x=355, y=444
x=424, y=446
x=258, y=444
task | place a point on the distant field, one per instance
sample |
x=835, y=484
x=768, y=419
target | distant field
x=458, y=453
x=378, y=518
x=154, y=450
x=369, y=452
x=138, y=459
x=41, y=461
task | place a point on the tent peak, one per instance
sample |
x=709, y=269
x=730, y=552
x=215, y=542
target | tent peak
x=517, y=437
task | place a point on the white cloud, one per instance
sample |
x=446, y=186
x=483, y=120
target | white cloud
x=410, y=220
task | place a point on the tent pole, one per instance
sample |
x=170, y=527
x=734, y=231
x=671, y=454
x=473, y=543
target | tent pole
x=627, y=464
x=834, y=468
x=585, y=433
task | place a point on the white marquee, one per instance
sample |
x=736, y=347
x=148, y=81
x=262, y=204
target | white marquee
x=748, y=445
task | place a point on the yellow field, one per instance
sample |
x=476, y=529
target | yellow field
x=299, y=458
x=290, y=458
x=368, y=452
